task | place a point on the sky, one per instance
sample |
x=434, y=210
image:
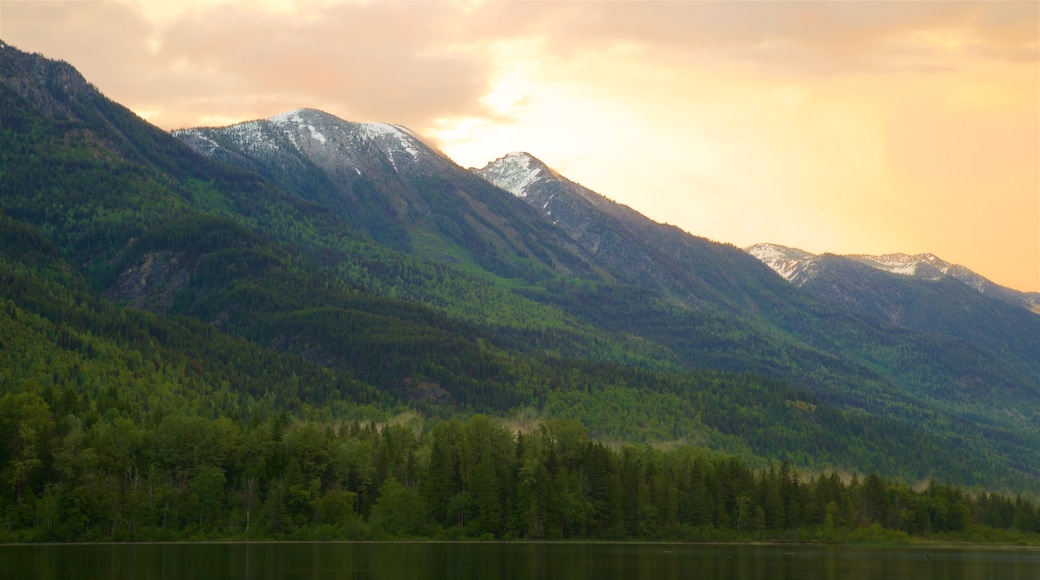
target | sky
x=829, y=126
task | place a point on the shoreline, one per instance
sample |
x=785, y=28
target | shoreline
x=935, y=544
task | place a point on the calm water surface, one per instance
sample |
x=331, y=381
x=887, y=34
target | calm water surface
x=509, y=561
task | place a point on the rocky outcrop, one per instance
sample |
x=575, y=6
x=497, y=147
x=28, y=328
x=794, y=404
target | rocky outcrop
x=152, y=283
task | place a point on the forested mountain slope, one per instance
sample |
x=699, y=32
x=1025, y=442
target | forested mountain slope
x=927, y=295
x=112, y=402
x=67, y=353
x=512, y=314
x=684, y=268
x=646, y=279
x=944, y=306
x=961, y=333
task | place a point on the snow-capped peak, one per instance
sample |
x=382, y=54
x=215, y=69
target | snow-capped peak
x=769, y=252
x=288, y=117
x=515, y=172
x=339, y=146
x=315, y=122
x=796, y=266
x=926, y=266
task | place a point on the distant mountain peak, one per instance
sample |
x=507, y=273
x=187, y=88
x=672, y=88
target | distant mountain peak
x=923, y=266
x=799, y=267
x=391, y=138
x=516, y=172
x=767, y=251
x=324, y=138
x=288, y=117
x=796, y=266
x=304, y=117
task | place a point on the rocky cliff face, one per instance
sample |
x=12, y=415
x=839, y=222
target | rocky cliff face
x=39, y=80
x=152, y=283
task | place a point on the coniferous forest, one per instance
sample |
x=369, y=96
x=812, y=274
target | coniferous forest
x=191, y=350
x=190, y=478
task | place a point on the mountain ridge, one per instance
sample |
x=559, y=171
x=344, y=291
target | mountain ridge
x=984, y=324
x=681, y=283
x=898, y=290
x=391, y=185
x=798, y=267
x=637, y=249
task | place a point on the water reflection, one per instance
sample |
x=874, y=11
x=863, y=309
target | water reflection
x=428, y=561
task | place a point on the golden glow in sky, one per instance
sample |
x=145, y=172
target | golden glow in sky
x=844, y=127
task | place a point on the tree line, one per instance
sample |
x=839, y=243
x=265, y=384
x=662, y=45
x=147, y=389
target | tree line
x=108, y=478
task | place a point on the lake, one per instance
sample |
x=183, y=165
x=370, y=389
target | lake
x=423, y=561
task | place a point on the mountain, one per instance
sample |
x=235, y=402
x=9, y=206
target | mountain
x=920, y=293
x=796, y=266
x=697, y=286
x=714, y=277
x=638, y=251
x=387, y=183
x=799, y=267
x=302, y=154
x=122, y=243
x=693, y=302
x=148, y=223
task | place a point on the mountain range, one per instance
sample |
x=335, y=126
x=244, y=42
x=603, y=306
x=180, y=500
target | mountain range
x=800, y=267
x=333, y=269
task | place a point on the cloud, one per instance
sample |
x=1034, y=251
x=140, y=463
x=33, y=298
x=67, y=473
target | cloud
x=796, y=37
x=367, y=61
x=376, y=60
x=414, y=62
x=103, y=40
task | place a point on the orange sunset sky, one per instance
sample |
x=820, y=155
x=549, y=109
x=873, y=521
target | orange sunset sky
x=844, y=127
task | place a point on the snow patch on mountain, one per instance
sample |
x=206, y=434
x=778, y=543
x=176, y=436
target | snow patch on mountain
x=394, y=133
x=796, y=266
x=317, y=136
x=198, y=141
x=924, y=266
x=288, y=117
x=251, y=135
x=322, y=138
x=514, y=173
x=907, y=269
